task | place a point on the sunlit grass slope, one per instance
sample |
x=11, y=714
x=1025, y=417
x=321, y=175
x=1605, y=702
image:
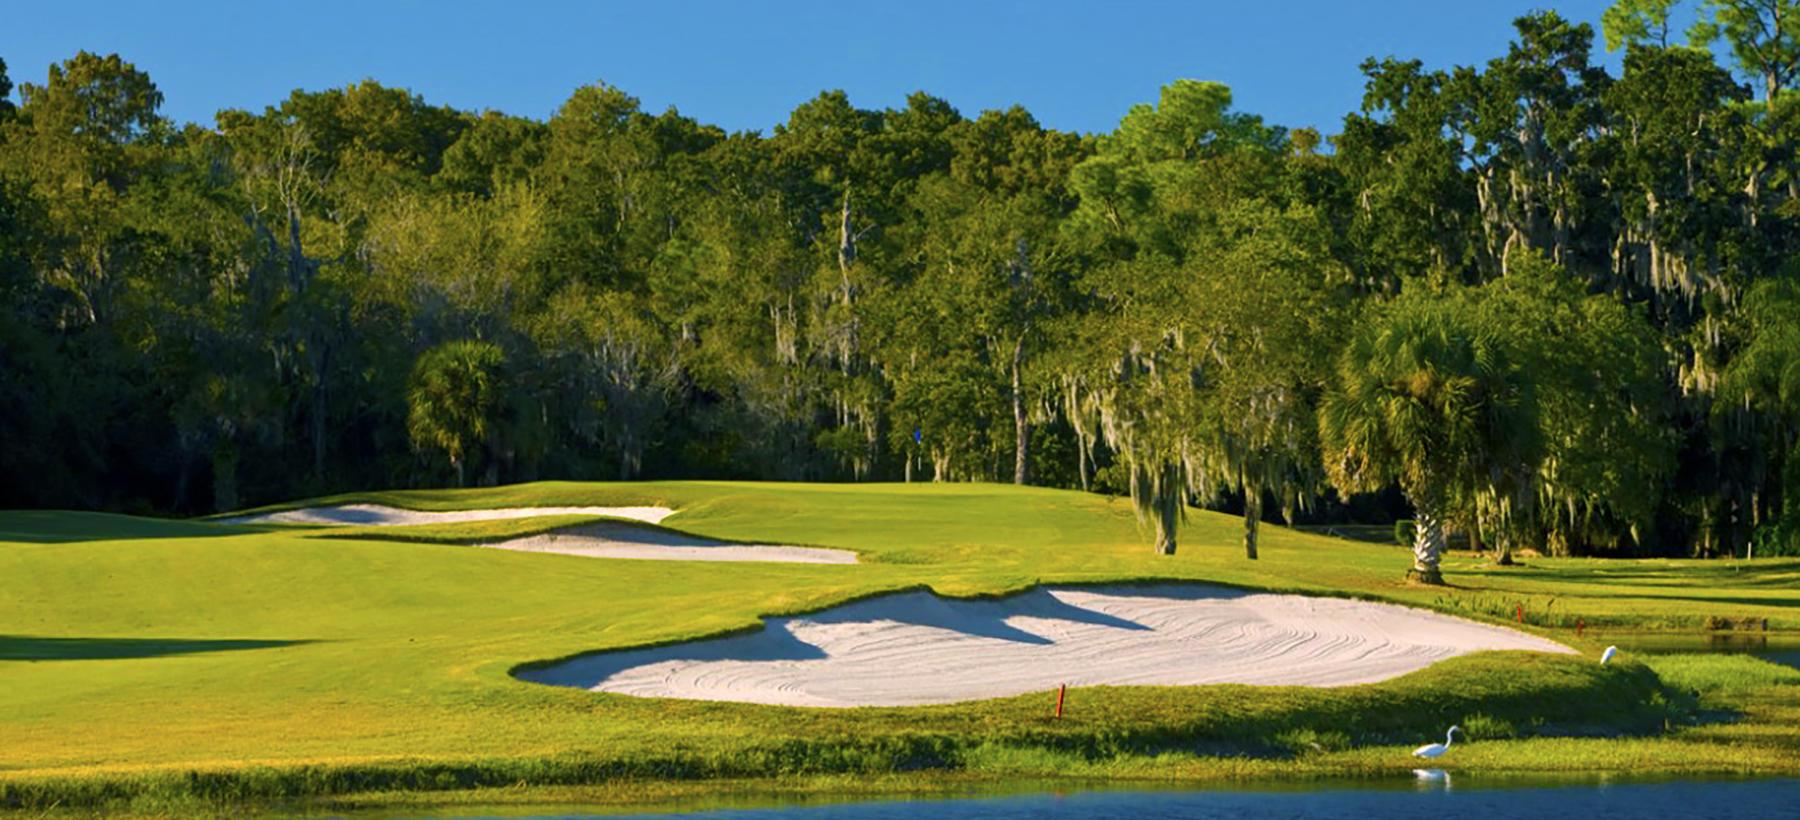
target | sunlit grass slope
x=132, y=650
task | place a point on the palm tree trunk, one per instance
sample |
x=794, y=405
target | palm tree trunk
x=1428, y=543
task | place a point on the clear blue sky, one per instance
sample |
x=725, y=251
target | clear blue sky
x=744, y=65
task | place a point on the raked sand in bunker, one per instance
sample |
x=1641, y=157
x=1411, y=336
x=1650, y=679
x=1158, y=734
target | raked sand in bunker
x=610, y=539
x=383, y=515
x=918, y=648
x=604, y=539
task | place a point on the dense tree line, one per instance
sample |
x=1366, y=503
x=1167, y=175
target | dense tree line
x=1547, y=306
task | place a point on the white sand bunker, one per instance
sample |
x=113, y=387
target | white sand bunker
x=382, y=515
x=606, y=539
x=917, y=648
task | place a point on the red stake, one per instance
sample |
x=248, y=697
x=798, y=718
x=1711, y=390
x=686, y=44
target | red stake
x=1060, y=691
x=1580, y=626
x=1519, y=612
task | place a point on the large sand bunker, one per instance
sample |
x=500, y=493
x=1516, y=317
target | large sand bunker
x=611, y=539
x=383, y=515
x=602, y=539
x=917, y=648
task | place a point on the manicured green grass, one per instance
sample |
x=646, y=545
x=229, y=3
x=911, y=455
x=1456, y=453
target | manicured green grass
x=283, y=665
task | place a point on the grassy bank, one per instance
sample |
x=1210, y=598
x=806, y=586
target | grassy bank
x=196, y=662
x=1737, y=717
x=1138, y=734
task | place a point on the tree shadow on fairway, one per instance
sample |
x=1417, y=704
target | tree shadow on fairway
x=774, y=642
x=976, y=618
x=33, y=648
x=1175, y=590
x=61, y=526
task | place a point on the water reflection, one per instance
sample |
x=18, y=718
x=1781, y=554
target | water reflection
x=1426, y=794
x=1776, y=647
x=1430, y=780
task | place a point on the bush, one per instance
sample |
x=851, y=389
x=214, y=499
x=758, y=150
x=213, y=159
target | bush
x=1304, y=740
x=1776, y=538
x=1404, y=531
x=1480, y=726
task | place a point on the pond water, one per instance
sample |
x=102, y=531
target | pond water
x=1431, y=795
x=1777, y=647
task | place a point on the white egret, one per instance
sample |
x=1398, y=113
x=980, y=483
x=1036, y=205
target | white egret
x=1434, y=750
x=1608, y=654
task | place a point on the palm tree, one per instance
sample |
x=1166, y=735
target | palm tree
x=1429, y=399
x=454, y=396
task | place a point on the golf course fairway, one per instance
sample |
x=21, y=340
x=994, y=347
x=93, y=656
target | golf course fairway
x=169, y=666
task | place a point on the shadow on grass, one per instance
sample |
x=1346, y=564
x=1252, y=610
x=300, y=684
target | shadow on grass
x=63, y=526
x=32, y=648
x=1690, y=575
x=776, y=642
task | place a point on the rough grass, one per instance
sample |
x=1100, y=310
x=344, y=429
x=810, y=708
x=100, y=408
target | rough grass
x=166, y=661
x=1723, y=673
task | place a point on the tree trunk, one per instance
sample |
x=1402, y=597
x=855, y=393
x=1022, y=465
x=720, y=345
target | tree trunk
x=318, y=424
x=1428, y=543
x=846, y=247
x=224, y=476
x=1021, y=427
x=297, y=278
x=184, y=476
x=1081, y=460
x=458, y=465
x=1158, y=493
x=1168, y=510
x=490, y=469
x=1252, y=519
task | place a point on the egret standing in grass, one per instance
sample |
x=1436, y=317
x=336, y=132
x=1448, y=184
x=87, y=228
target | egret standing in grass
x=1608, y=654
x=1436, y=750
